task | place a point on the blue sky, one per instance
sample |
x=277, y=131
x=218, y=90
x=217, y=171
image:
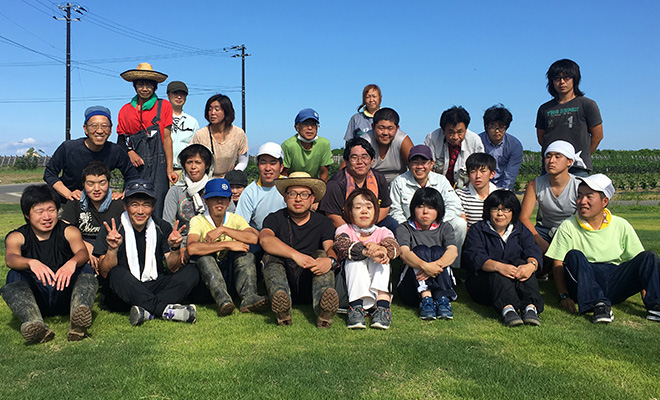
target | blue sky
x=426, y=56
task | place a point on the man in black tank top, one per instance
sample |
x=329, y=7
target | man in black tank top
x=49, y=273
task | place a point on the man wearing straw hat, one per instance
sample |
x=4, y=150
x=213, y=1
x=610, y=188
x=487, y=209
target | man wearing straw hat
x=299, y=259
x=144, y=130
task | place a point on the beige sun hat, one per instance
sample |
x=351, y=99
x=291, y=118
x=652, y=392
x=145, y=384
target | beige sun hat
x=143, y=71
x=316, y=185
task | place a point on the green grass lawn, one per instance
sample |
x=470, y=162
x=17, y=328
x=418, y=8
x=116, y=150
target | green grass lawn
x=249, y=356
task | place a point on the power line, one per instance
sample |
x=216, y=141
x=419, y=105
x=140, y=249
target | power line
x=28, y=31
x=198, y=92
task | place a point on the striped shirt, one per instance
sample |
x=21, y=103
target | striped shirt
x=473, y=205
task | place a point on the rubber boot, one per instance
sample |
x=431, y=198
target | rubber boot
x=215, y=282
x=325, y=300
x=246, y=284
x=82, y=300
x=278, y=289
x=21, y=302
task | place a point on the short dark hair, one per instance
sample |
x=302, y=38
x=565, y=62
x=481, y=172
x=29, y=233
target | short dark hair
x=497, y=113
x=225, y=104
x=153, y=82
x=504, y=198
x=347, y=212
x=193, y=150
x=477, y=160
x=364, y=94
x=386, y=114
x=96, y=168
x=37, y=194
x=358, y=142
x=564, y=67
x=432, y=198
x=454, y=116
x=138, y=197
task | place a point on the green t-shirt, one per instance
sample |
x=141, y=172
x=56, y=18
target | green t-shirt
x=613, y=244
x=199, y=225
x=296, y=158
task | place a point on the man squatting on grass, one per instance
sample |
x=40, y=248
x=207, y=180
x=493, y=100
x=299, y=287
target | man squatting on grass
x=598, y=258
x=218, y=241
x=130, y=257
x=299, y=259
x=49, y=273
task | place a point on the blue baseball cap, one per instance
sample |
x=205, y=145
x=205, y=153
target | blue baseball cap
x=97, y=110
x=139, y=186
x=218, y=187
x=306, y=114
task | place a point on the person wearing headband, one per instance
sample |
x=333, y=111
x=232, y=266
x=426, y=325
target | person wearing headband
x=598, y=260
x=555, y=193
x=306, y=151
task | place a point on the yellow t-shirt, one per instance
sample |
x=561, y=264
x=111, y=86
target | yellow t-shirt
x=200, y=225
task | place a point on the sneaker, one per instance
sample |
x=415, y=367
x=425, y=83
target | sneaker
x=531, y=317
x=654, y=313
x=512, y=319
x=139, y=315
x=602, y=314
x=382, y=318
x=443, y=308
x=356, y=318
x=329, y=304
x=427, y=309
x=281, y=306
x=181, y=313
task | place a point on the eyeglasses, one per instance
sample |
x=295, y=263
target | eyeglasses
x=303, y=195
x=562, y=78
x=138, y=185
x=365, y=158
x=309, y=123
x=95, y=127
x=496, y=210
x=497, y=128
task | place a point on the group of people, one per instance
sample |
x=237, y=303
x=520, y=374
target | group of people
x=188, y=228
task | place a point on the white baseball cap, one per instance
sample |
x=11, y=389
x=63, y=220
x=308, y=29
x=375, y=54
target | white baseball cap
x=270, y=148
x=599, y=183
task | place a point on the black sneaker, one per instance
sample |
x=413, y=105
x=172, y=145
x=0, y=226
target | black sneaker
x=356, y=318
x=382, y=318
x=654, y=313
x=512, y=319
x=531, y=317
x=602, y=314
x=139, y=315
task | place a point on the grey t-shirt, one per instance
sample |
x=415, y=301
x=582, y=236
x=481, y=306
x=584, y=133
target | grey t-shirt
x=570, y=122
x=406, y=235
x=554, y=210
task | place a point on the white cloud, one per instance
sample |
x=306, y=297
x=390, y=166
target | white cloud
x=22, y=146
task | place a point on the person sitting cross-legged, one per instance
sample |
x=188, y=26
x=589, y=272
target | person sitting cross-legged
x=218, y=241
x=130, y=254
x=598, y=258
x=299, y=259
x=48, y=274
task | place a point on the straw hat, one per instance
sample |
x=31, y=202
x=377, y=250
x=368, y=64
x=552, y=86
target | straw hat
x=317, y=186
x=143, y=71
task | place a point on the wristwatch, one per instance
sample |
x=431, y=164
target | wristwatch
x=535, y=265
x=333, y=262
x=563, y=296
x=175, y=248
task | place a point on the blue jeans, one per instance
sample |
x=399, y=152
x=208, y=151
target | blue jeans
x=593, y=283
x=441, y=285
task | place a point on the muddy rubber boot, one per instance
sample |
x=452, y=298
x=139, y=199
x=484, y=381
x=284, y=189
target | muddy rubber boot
x=246, y=284
x=215, y=282
x=82, y=300
x=325, y=299
x=278, y=289
x=21, y=302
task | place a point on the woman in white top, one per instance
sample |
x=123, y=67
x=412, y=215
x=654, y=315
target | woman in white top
x=227, y=142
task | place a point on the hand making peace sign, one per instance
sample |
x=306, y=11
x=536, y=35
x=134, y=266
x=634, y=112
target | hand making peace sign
x=175, y=239
x=113, y=238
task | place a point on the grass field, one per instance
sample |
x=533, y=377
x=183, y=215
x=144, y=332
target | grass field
x=249, y=356
x=12, y=175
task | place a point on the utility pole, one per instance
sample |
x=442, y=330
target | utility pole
x=68, y=20
x=242, y=55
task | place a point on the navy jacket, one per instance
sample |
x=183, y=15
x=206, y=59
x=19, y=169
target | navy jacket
x=483, y=244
